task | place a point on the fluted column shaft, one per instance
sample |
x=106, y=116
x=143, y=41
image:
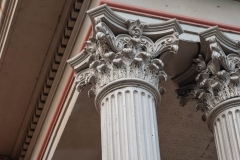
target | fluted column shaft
x=226, y=128
x=125, y=72
x=129, y=125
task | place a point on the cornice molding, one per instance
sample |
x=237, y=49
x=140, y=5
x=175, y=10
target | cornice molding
x=79, y=62
x=49, y=79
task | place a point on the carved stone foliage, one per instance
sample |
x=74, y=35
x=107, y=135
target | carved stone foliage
x=218, y=79
x=124, y=56
x=185, y=94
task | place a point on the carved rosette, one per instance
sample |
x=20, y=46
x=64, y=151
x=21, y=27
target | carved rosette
x=218, y=80
x=124, y=56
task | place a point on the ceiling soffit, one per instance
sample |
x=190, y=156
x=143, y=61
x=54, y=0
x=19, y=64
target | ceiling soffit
x=27, y=142
x=218, y=54
x=22, y=55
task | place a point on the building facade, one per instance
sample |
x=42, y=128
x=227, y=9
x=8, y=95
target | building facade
x=120, y=80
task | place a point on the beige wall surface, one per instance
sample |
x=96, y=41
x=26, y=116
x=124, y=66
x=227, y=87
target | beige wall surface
x=220, y=11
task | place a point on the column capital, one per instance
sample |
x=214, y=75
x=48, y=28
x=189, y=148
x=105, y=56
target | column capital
x=217, y=78
x=128, y=52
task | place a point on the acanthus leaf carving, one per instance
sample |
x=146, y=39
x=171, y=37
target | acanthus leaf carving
x=185, y=94
x=125, y=56
x=218, y=80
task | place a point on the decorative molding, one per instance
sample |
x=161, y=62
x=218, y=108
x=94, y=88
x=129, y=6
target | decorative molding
x=118, y=25
x=113, y=21
x=124, y=56
x=228, y=45
x=167, y=15
x=218, y=80
x=74, y=12
x=218, y=72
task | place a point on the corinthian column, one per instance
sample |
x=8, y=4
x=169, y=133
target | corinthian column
x=125, y=72
x=128, y=121
x=218, y=94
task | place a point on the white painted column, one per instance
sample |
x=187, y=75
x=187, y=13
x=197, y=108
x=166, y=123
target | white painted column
x=226, y=128
x=125, y=71
x=227, y=134
x=129, y=125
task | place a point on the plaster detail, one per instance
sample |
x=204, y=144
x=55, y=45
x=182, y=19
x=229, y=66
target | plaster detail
x=218, y=80
x=125, y=56
x=217, y=76
x=28, y=140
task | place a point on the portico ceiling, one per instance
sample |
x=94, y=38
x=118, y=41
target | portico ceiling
x=26, y=55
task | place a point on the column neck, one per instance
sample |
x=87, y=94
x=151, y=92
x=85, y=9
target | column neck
x=127, y=82
x=221, y=107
